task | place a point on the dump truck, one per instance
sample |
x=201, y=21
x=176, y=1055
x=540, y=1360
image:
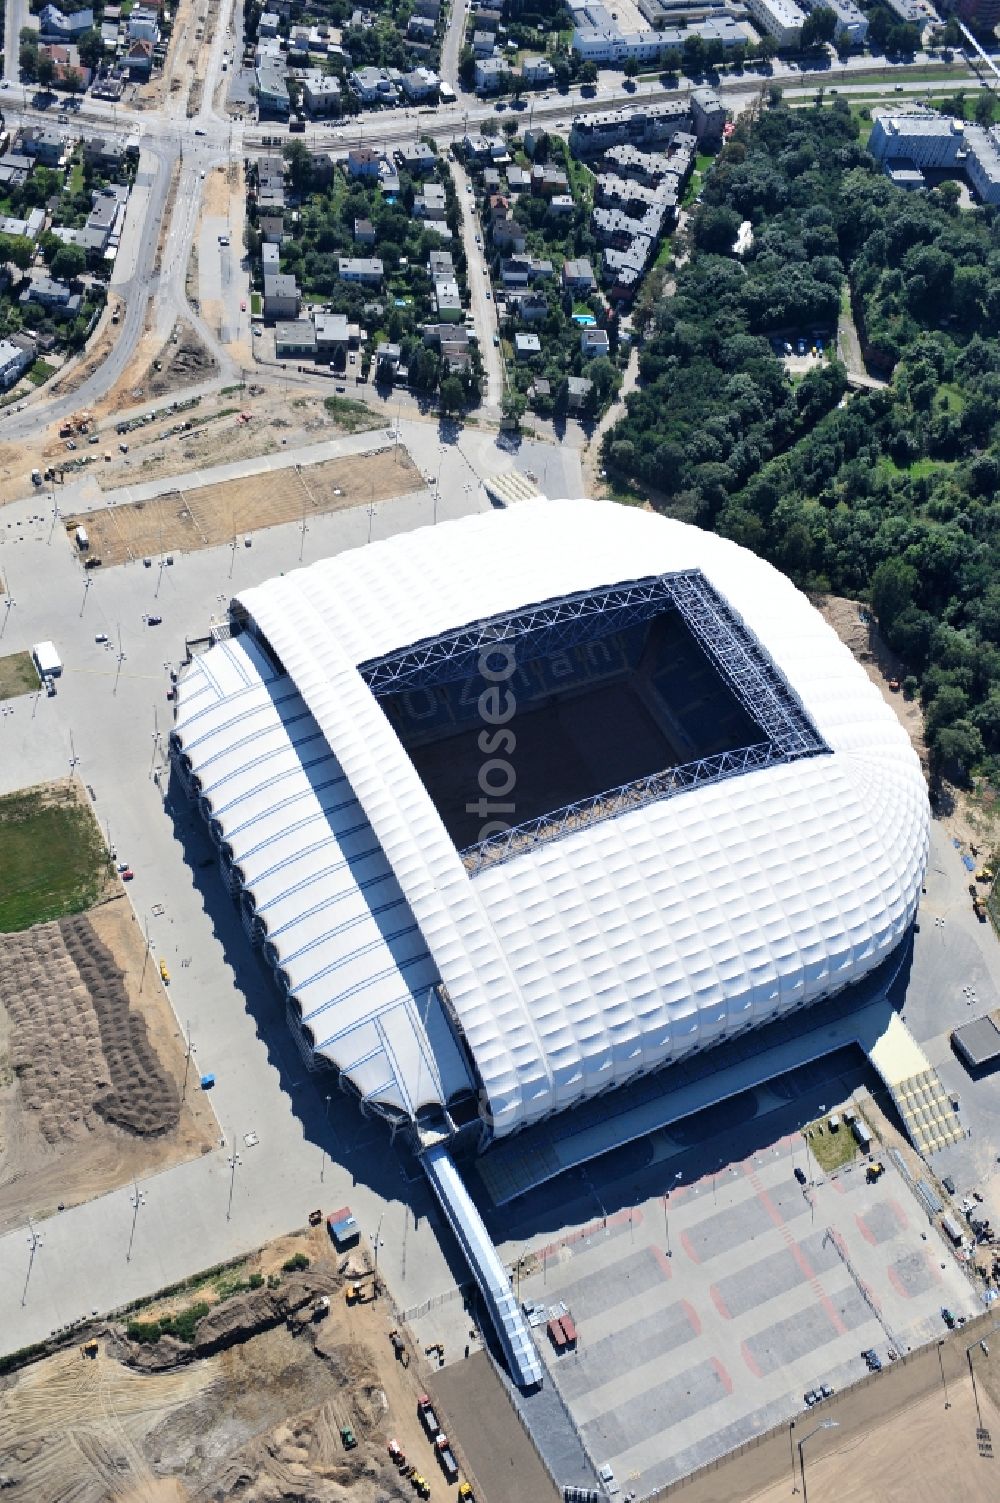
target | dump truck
x=348, y=1439
x=89, y=1348
x=465, y=1493
x=427, y=1417
x=446, y=1458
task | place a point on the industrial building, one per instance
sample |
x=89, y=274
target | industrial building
x=926, y=141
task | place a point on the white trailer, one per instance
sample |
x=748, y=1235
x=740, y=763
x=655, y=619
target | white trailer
x=47, y=660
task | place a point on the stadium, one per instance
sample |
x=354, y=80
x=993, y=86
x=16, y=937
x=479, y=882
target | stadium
x=528, y=807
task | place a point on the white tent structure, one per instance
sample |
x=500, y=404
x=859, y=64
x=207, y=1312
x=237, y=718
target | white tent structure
x=487, y=988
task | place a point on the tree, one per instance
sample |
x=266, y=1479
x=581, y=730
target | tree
x=514, y=405
x=716, y=229
x=17, y=249
x=46, y=69
x=588, y=72
x=818, y=28
x=90, y=48
x=72, y=80
x=452, y=395
x=299, y=165
x=27, y=60
x=893, y=586
x=984, y=108
x=957, y=749
x=694, y=56
x=69, y=262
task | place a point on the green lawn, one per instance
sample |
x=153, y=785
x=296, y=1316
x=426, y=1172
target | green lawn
x=256, y=304
x=951, y=397
x=918, y=470
x=40, y=372
x=830, y=1149
x=54, y=860
x=17, y=675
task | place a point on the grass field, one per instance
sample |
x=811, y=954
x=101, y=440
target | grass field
x=831, y=1149
x=17, y=675
x=351, y=415
x=54, y=860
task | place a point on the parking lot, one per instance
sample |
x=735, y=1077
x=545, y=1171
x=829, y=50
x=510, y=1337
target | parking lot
x=704, y=1319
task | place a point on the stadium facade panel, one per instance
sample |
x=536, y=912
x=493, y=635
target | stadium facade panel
x=609, y=932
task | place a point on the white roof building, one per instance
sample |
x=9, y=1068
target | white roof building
x=543, y=965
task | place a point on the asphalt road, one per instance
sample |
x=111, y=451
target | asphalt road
x=484, y=310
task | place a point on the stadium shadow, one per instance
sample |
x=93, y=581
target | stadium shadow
x=388, y=1170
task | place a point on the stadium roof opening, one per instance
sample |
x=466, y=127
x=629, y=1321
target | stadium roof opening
x=610, y=698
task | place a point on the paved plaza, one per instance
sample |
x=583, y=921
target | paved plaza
x=703, y=1319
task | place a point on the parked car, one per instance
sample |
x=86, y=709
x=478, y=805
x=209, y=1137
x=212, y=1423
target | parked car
x=153, y=620
x=800, y=1175
x=948, y=1318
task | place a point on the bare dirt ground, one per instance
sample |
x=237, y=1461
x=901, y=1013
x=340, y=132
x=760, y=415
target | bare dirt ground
x=92, y=1067
x=258, y=1419
x=204, y=517
x=895, y=1442
x=473, y=1407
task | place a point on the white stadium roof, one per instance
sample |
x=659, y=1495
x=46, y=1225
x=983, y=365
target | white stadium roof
x=585, y=960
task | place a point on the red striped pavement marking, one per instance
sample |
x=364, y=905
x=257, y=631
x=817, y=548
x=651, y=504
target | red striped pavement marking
x=718, y=1301
x=693, y=1318
x=799, y=1256
x=901, y=1217
x=723, y=1375
x=689, y=1248
x=865, y=1230
x=661, y=1258
x=750, y=1360
x=897, y=1284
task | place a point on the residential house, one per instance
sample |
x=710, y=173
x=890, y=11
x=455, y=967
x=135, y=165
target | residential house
x=65, y=61
x=491, y=180
x=497, y=208
x=578, y=276
x=272, y=228
x=45, y=146
x=537, y=70
x=25, y=229
x=270, y=259
x=272, y=87
x=708, y=113
x=547, y=181
x=594, y=342
x=540, y=390
x=518, y=179
x=320, y=92
x=364, y=232
x=56, y=296
x=15, y=169
x=295, y=340
x=447, y=300
x=143, y=25
x=420, y=84
x=430, y=8
x=418, y=159
x=387, y=358
x=527, y=346
x=16, y=354
x=57, y=26
x=430, y=204
x=440, y=263
x=489, y=74
x=528, y=305
x=333, y=333
x=281, y=296
x=376, y=85
x=561, y=203
x=578, y=390
x=483, y=43
x=321, y=168
x=367, y=270
x=269, y=24
x=363, y=161
x=438, y=227
x=509, y=235
x=106, y=153
x=421, y=29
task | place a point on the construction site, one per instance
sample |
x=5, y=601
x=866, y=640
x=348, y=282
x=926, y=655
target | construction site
x=281, y=1376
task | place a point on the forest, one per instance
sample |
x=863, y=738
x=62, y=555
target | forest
x=891, y=494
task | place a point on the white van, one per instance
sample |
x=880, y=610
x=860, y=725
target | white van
x=82, y=540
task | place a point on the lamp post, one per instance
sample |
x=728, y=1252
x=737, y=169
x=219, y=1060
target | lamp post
x=666, y=1224
x=322, y=1167
x=944, y=1385
x=34, y=1243
x=233, y=1161
x=136, y=1199
x=791, y=1449
x=378, y=1236
x=829, y=1424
